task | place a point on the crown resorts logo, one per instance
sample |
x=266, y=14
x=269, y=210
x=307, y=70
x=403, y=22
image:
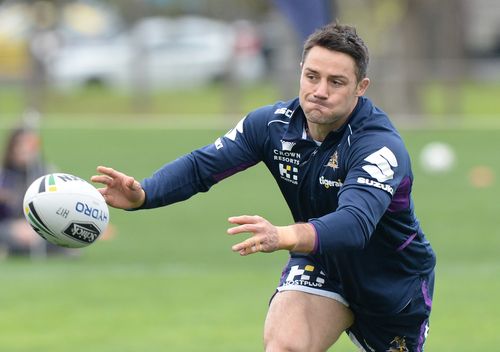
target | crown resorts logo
x=289, y=173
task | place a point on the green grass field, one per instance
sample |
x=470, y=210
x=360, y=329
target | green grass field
x=169, y=281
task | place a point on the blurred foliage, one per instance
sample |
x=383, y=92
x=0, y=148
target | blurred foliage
x=421, y=83
x=224, y=9
x=473, y=100
x=214, y=99
x=469, y=98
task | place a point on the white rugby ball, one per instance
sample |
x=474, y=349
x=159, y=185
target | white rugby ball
x=66, y=210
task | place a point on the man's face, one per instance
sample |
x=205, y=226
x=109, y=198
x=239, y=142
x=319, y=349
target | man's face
x=329, y=89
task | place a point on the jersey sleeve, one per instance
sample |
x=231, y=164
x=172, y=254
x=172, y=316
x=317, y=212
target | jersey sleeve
x=199, y=170
x=376, y=169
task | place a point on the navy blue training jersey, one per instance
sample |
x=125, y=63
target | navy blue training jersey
x=354, y=188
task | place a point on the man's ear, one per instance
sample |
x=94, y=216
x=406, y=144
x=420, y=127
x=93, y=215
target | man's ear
x=362, y=86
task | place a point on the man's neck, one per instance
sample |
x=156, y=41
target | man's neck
x=318, y=132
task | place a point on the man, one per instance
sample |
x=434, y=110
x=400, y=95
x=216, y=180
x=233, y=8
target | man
x=359, y=261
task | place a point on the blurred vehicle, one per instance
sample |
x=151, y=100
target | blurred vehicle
x=14, y=46
x=32, y=31
x=161, y=53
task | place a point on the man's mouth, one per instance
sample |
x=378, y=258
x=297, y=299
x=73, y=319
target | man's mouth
x=317, y=104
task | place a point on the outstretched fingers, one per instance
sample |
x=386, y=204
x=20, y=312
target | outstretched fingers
x=247, y=224
x=245, y=219
x=105, y=180
x=106, y=175
x=264, y=235
x=248, y=246
x=120, y=191
x=108, y=171
x=109, y=175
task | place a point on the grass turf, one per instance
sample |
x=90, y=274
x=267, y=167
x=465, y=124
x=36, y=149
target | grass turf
x=169, y=282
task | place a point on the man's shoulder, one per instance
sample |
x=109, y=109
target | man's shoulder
x=368, y=116
x=259, y=124
x=372, y=131
x=371, y=122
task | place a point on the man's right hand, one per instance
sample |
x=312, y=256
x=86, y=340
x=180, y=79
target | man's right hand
x=120, y=191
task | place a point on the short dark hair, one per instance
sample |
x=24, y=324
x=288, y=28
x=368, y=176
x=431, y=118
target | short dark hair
x=341, y=38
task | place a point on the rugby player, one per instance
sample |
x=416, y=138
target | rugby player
x=359, y=260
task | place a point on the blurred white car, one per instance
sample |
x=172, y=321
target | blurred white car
x=161, y=53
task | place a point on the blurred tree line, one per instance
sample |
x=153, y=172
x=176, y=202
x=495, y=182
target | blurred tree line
x=412, y=42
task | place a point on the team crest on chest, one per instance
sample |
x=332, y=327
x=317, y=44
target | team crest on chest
x=334, y=161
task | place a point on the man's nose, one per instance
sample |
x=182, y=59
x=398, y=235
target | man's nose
x=321, y=90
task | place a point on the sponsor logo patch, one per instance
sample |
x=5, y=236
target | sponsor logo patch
x=289, y=173
x=287, y=146
x=286, y=156
x=373, y=183
x=381, y=163
x=284, y=111
x=305, y=276
x=86, y=232
x=380, y=168
x=330, y=183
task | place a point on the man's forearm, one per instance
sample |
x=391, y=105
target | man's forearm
x=299, y=238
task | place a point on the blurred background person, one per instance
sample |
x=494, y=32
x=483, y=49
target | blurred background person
x=22, y=164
